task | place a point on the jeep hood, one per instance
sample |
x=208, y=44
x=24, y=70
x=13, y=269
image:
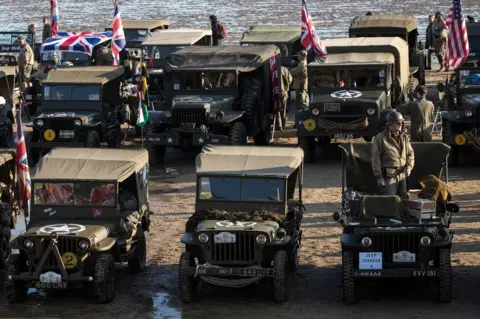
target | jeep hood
x=340, y=95
x=84, y=115
x=209, y=102
x=470, y=100
x=269, y=227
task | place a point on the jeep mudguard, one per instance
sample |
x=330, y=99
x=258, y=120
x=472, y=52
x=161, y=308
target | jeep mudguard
x=104, y=245
x=231, y=116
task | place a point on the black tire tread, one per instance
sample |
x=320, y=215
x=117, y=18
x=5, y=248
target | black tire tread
x=186, y=282
x=349, y=289
x=238, y=134
x=93, y=139
x=307, y=144
x=281, y=280
x=103, y=261
x=445, y=280
x=137, y=263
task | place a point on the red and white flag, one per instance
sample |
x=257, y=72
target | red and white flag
x=23, y=172
x=458, y=47
x=310, y=40
x=54, y=16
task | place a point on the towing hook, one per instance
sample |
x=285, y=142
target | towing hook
x=54, y=236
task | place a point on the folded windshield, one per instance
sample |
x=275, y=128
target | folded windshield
x=77, y=194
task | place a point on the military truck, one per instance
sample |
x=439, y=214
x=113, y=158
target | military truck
x=461, y=120
x=89, y=211
x=216, y=95
x=351, y=92
x=137, y=31
x=394, y=25
x=159, y=45
x=246, y=225
x=81, y=107
x=389, y=237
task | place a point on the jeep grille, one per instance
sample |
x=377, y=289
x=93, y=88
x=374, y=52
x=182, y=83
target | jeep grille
x=394, y=243
x=64, y=245
x=189, y=115
x=242, y=251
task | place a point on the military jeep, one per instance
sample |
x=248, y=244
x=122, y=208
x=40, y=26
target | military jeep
x=393, y=237
x=137, y=31
x=81, y=106
x=394, y=25
x=461, y=119
x=159, y=45
x=216, y=95
x=7, y=111
x=351, y=92
x=246, y=225
x=89, y=211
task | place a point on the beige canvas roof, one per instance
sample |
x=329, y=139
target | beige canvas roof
x=236, y=57
x=142, y=24
x=271, y=34
x=176, y=36
x=394, y=45
x=355, y=58
x=385, y=22
x=90, y=164
x=84, y=75
x=7, y=70
x=248, y=160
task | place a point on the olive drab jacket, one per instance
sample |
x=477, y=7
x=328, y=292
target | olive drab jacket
x=391, y=153
x=300, y=76
x=439, y=30
x=25, y=57
x=286, y=81
x=421, y=114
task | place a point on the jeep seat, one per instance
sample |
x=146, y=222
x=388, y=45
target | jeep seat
x=380, y=206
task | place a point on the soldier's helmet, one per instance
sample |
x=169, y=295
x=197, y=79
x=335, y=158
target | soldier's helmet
x=394, y=117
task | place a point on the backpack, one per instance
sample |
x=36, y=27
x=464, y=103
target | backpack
x=222, y=31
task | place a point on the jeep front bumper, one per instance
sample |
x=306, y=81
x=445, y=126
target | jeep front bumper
x=210, y=270
x=177, y=138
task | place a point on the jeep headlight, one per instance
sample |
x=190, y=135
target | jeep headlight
x=83, y=244
x=425, y=240
x=77, y=122
x=315, y=112
x=39, y=123
x=261, y=239
x=203, y=238
x=468, y=113
x=27, y=243
x=371, y=112
x=168, y=114
x=366, y=241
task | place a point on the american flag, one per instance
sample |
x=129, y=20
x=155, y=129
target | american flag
x=119, y=41
x=458, y=47
x=23, y=172
x=82, y=42
x=54, y=16
x=310, y=40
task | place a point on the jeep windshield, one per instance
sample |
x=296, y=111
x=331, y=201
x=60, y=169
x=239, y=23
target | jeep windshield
x=135, y=35
x=76, y=194
x=74, y=57
x=157, y=52
x=469, y=78
x=371, y=77
x=72, y=92
x=12, y=38
x=242, y=189
x=203, y=81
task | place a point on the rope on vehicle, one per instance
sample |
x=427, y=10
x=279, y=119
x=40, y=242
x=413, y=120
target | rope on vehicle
x=358, y=124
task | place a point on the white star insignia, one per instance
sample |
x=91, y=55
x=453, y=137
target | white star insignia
x=170, y=140
x=200, y=140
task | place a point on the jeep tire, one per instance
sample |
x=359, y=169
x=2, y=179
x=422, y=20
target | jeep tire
x=116, y=140
x=16, y=291
x=445, y=279
x=187, y=284
x=93, y=139
x=138, y=261
x=307, y=143
x=281, y=277
x=238, y=134
x=104, y=278
x=5, y=251
x=293, y=261
x=349, y=289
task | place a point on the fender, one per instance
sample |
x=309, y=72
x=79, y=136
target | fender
x=231, y=116
x=104, y=245
x=457, y=117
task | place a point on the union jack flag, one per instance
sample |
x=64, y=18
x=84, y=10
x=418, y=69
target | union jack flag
x=310, y=40
x=119, y=41
x=54, y=16
x=82, y=42
x=23, y=172
x=458, y=46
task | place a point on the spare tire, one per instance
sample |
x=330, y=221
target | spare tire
x=250, y=97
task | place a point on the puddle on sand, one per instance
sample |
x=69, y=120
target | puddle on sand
x=166, y=306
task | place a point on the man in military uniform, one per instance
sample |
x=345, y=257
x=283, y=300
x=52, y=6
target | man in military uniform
x=47, y=29
x=429, y=42
x=440, y=39
x=421, y=114
x=392, y=157
x=25, y=63
x=300, y=81
x=286, y=83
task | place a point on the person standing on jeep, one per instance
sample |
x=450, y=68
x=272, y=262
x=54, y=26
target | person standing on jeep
x=392, y=157
x=429, y=42
x=219, y=31
x=300, y=81
x=47, y=29
x=421, y=114
x=440, y=39
x=25, y=63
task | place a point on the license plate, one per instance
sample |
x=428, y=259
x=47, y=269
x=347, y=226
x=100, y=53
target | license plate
x=331, y=107
x=67, y=134
x=255, y=272
x=224, y=238
x=424, y=273
x=403, y=257
x=373, y=260
x=50, y=285
x=343, y=136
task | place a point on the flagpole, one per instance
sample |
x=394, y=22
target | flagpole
x=141, y=83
